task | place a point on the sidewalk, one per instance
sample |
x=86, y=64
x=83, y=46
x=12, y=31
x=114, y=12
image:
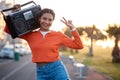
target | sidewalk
x=86, y=73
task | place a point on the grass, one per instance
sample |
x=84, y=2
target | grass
x=101, y=61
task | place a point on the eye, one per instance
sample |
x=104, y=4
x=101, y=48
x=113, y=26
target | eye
x=50, y=19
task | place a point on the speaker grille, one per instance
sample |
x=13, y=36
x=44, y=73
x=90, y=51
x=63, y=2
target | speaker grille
x=21, y=26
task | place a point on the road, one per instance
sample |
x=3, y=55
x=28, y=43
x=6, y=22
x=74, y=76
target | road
x=23, y=69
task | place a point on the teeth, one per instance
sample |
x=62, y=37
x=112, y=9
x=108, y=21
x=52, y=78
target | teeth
x=45, y=25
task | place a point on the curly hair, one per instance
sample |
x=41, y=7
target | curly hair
x=46, y=10
x=43, y=11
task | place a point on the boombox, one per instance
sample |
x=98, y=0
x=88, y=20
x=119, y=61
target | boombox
x=23, y=21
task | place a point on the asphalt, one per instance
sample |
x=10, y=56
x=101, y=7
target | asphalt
x=78, y=71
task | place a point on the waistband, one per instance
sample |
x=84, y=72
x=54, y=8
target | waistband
x=49, y=64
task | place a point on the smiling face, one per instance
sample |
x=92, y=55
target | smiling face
x=46, y=18
x=46, y=21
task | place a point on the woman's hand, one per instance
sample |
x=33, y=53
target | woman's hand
x=68, y=23
x=17, y=7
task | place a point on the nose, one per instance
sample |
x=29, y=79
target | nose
x=47, y=21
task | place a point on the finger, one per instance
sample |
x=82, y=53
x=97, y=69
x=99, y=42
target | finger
x=69, y=21
x=17, y=6
x=64, y=19
x=2, y=13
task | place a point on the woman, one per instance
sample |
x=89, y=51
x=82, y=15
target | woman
x=45, y=44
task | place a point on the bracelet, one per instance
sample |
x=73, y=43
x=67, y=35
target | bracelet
x=73, y=29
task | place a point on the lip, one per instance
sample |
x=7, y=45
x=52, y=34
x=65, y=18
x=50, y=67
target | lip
x=45, y=25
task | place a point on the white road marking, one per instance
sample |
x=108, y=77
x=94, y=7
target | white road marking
x=11, y=73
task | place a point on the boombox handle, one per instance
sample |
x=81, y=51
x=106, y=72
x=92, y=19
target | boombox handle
x=14, y=7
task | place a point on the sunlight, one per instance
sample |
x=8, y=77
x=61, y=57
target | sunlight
x=108, y=43
x=82, y=12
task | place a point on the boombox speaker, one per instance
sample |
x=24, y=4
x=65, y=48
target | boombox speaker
x=22, y=21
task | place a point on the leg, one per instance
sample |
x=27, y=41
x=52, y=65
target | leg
x=60, y=72
x=41, y=73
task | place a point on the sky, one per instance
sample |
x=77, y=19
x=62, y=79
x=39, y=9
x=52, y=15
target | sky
x=82, y=12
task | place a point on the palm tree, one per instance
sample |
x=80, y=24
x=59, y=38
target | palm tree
x=93, y=33
x=114, y=30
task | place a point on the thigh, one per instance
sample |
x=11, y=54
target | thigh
x=41, y=74
x=53, y=71
x=60, y=73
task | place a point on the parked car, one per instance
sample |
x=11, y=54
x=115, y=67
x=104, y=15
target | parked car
x=20, y=49
x=27, y=50
x=7, y=51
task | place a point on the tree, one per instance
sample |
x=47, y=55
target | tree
x=92, y=33
x=114, y=30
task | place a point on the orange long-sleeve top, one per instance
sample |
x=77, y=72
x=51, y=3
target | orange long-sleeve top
x=46, y=49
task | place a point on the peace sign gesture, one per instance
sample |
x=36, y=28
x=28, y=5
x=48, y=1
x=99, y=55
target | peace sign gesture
x=68, y=23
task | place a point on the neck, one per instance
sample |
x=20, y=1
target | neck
x=44, y=30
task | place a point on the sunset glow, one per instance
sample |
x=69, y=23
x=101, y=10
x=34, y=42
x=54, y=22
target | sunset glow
x=83, y=12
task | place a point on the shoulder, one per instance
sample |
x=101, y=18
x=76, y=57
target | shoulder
x=29, y=34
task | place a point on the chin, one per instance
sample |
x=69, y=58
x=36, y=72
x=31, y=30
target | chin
x=46, y=29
